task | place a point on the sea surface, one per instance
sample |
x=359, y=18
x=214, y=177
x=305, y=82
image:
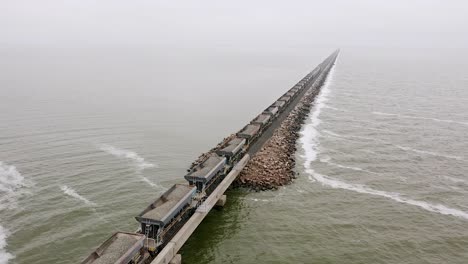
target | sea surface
x=90, y=136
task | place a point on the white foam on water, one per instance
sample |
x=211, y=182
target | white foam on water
x=4, y=255
x=334, y=134
x=311, y=179
x=10, y=182
x=428, y=152
x=424, y=152
x=300, y=190
x=259, y=200
x=420, y=117
x=139, y=161
x=127, y=154
x=309, y=135
x=152, y=184
x=325, y=158
x=437, y=208
x=10, y=178
x=70, y=192
x=349, y=167
x=386, y=114
x=429, y=112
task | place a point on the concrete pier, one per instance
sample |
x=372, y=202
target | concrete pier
x=222, y=201
x=177, y=259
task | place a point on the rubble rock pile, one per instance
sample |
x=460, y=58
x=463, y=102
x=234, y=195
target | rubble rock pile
x=273, y=165
x=206, y=155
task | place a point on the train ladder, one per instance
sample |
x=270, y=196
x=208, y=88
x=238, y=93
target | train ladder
x=147, y=235
x=203, y=208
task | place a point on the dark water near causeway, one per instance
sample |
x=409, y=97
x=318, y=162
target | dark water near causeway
x=88, y=137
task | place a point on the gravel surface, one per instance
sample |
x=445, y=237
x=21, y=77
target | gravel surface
x=116, y=249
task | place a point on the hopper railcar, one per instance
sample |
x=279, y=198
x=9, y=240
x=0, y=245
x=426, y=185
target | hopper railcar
x=233, y=150
x=285, y=98
x=207, y=175
x=291, y=94
x=263, y=120
x=249, y=133
x=273, y=111
x=295, y=89
x=162, y=218
x=298, y=87
x=280, y=104
x=120, y=248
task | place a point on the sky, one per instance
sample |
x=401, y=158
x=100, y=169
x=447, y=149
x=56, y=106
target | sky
x=215, y=24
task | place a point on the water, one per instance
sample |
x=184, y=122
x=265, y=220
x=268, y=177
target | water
x=88, y=137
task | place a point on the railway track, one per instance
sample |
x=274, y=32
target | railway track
x=167, y=223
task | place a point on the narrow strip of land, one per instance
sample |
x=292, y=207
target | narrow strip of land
x=272, y=163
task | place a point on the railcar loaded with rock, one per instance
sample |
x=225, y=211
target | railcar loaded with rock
x=164, y=217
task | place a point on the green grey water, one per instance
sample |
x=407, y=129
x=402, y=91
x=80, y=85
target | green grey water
x=90, y=136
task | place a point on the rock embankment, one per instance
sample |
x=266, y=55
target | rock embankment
x=273, y=165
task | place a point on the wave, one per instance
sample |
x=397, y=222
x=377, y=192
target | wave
x=4, y=255
x=436, y=208
x=425, y=152
x=10, y=182
x=363, y=124
x=431, y=112
x=331, y=133
x=127, y=154
x=259, y=200
x=334, y=108
x=152, y=184
x=70, y=192
x=420, y=117
x=348, y=167
x=386, y=114
x=300, y=190
x=327, y=159
x=10, y=178
x=309, y=135
x=428, y=152
x=139, y=161
x=377, y=129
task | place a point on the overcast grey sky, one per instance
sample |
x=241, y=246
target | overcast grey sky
x=241, y=23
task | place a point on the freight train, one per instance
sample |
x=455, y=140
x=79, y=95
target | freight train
x=163, y=218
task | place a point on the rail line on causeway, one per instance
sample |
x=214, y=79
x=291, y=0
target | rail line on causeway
x=168, y=222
